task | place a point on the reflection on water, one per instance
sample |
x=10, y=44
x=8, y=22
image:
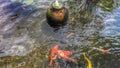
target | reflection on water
x=26, y=38
x=112, y=23
x=13, y=37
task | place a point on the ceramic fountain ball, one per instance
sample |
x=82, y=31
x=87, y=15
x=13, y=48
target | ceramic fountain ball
x=57, y=14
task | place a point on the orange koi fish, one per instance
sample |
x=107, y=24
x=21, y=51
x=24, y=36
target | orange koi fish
x=103, y=50
x=55, y=52
x=65, y=54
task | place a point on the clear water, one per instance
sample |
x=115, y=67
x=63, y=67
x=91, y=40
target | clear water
x=26, y=38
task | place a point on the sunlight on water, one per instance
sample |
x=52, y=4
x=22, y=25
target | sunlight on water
x=112, y=24
x=28, y=2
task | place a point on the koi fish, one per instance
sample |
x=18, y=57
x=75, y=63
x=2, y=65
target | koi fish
x=89, y=62
x=55, y=52
x=65, y=55
x=103, y=50
x=52, y=54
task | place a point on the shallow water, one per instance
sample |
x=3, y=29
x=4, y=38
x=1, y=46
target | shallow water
x=26, y=38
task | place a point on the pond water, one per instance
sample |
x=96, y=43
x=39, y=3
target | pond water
x=26, y=38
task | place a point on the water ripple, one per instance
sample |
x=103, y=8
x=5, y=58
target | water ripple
x=112, y=24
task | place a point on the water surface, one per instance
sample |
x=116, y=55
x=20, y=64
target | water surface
x=26, y=38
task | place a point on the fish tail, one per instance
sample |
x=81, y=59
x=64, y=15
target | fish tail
x=50, y=64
